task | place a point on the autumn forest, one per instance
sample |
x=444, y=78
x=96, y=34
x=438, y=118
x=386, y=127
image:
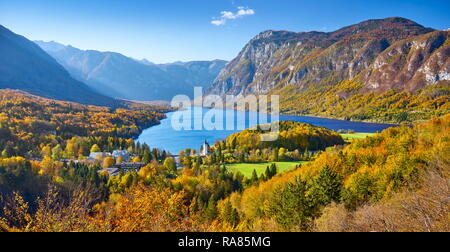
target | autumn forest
x=88, y=142
x=393, y=181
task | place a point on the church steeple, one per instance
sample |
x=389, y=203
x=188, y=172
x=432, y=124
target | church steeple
x=205, y=148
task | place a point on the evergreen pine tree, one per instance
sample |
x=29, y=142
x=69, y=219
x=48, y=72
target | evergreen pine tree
x=273, y=170
x=254, y=178
x=146, y=158
x=211, y=210
x=268, y=172
x=327, y=187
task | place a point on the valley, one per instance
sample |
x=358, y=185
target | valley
x=119, y=76
x=89, y=143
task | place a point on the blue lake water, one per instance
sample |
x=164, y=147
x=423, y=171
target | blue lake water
x=165, y=137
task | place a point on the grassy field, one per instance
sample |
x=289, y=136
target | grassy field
x=247, y=168
x=351, y=137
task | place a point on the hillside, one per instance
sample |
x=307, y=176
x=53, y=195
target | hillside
x=27, y=121
x=116, y=75
x=292, y=136
x=295, y=142
x=376, y=56
x=396, y=180
x=25, y=66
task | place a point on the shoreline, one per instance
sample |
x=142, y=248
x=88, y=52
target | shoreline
x=163, y=136
x=317, y=116
x=392, y=124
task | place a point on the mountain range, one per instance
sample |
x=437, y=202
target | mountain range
x=326, y=74
x=25, y=66
x=388, y=70
x=119, y=76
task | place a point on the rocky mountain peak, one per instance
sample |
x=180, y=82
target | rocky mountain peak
x=276, y=59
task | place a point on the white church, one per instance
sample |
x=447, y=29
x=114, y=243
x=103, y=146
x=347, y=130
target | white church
x=204, y=150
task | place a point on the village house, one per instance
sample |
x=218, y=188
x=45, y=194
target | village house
x=126, y=156
x=124, y=167
x=112, y=172
x=130, y=167
x=99, y=155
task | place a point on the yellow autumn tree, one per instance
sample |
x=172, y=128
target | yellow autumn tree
x=95, y=148
x=108, y=162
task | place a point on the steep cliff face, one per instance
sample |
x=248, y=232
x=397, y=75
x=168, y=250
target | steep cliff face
x=276, y=59
x=411, y=64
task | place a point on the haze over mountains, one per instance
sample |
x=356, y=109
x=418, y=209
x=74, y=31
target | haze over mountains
x=25, y=66
x=118, y=76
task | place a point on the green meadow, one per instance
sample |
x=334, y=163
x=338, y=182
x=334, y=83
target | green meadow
x=353, y=136
x=247, y=168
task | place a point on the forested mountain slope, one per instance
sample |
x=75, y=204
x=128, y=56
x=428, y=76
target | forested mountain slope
x=28, y=121
x=388, y=61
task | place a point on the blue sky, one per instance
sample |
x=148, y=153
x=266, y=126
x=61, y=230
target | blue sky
x=182, y=30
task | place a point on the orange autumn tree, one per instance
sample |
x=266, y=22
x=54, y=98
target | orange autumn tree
x=139, y=209
x=142, y=209
x=366, y=172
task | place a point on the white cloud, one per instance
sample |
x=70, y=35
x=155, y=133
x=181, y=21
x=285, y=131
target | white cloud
x=229, y=15
x=219, y=22
x=245, y=12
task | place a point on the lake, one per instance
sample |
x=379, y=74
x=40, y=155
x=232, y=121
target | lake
x=165, y=137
